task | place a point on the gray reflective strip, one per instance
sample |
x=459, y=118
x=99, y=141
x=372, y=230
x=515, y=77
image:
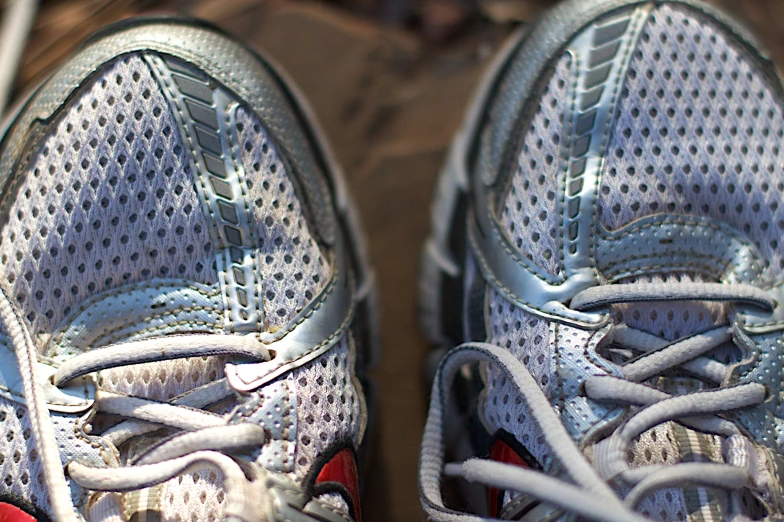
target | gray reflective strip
x=601, y=58
x=316, y=329
x=206, y=120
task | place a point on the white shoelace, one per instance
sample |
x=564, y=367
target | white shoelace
x=589, y=493
x=207, y=439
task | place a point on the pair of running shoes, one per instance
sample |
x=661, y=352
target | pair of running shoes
x=187, y=313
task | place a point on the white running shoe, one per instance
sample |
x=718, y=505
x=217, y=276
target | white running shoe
x=187, y=310
x=607, y=242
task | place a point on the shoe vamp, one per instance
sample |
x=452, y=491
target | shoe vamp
x=697, y=133
x=303, y=415
x=107, y=241
x=109, y=200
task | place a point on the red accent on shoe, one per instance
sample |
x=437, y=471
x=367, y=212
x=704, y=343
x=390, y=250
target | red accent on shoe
x=342, y=469
x=11, y=513
x=500, y=451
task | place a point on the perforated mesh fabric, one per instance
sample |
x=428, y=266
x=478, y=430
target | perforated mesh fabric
x=698, y=132
x=528, y=338
x=329, y=404
x=293, y=267
x=106, y=201
x=655, y=446
x=671, y=320
x=163, y=380
x=109, y=200
x=658, y=446
x=665, y=505
x=529, y=216
x=525, y=335
x=195, y=497
x=503, y=408
x=21, y=472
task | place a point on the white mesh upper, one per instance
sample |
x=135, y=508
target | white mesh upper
x=109, y=200
x=529, y=216
x=293, y=268
x=195, y=497
x=106, y=201
x=528, y=338
x=329, y=407
x=329, y=404
x=698, y=132
x=525, y=335
x=21, y=472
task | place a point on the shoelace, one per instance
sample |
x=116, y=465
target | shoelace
x=206, y=439
x=589, y=494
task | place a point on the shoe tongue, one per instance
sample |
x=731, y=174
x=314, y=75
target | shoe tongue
x=672, y=443
x=675, y=320
x=671, y=320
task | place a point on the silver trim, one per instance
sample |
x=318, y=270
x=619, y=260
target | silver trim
x=18, y=18
x=601, y=57
x=513, y=276
x=316, y=329
x=756, y=321
x=667, y=243
x=206, y=117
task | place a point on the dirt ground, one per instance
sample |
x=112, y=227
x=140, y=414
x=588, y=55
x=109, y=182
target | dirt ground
x=389, y=82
